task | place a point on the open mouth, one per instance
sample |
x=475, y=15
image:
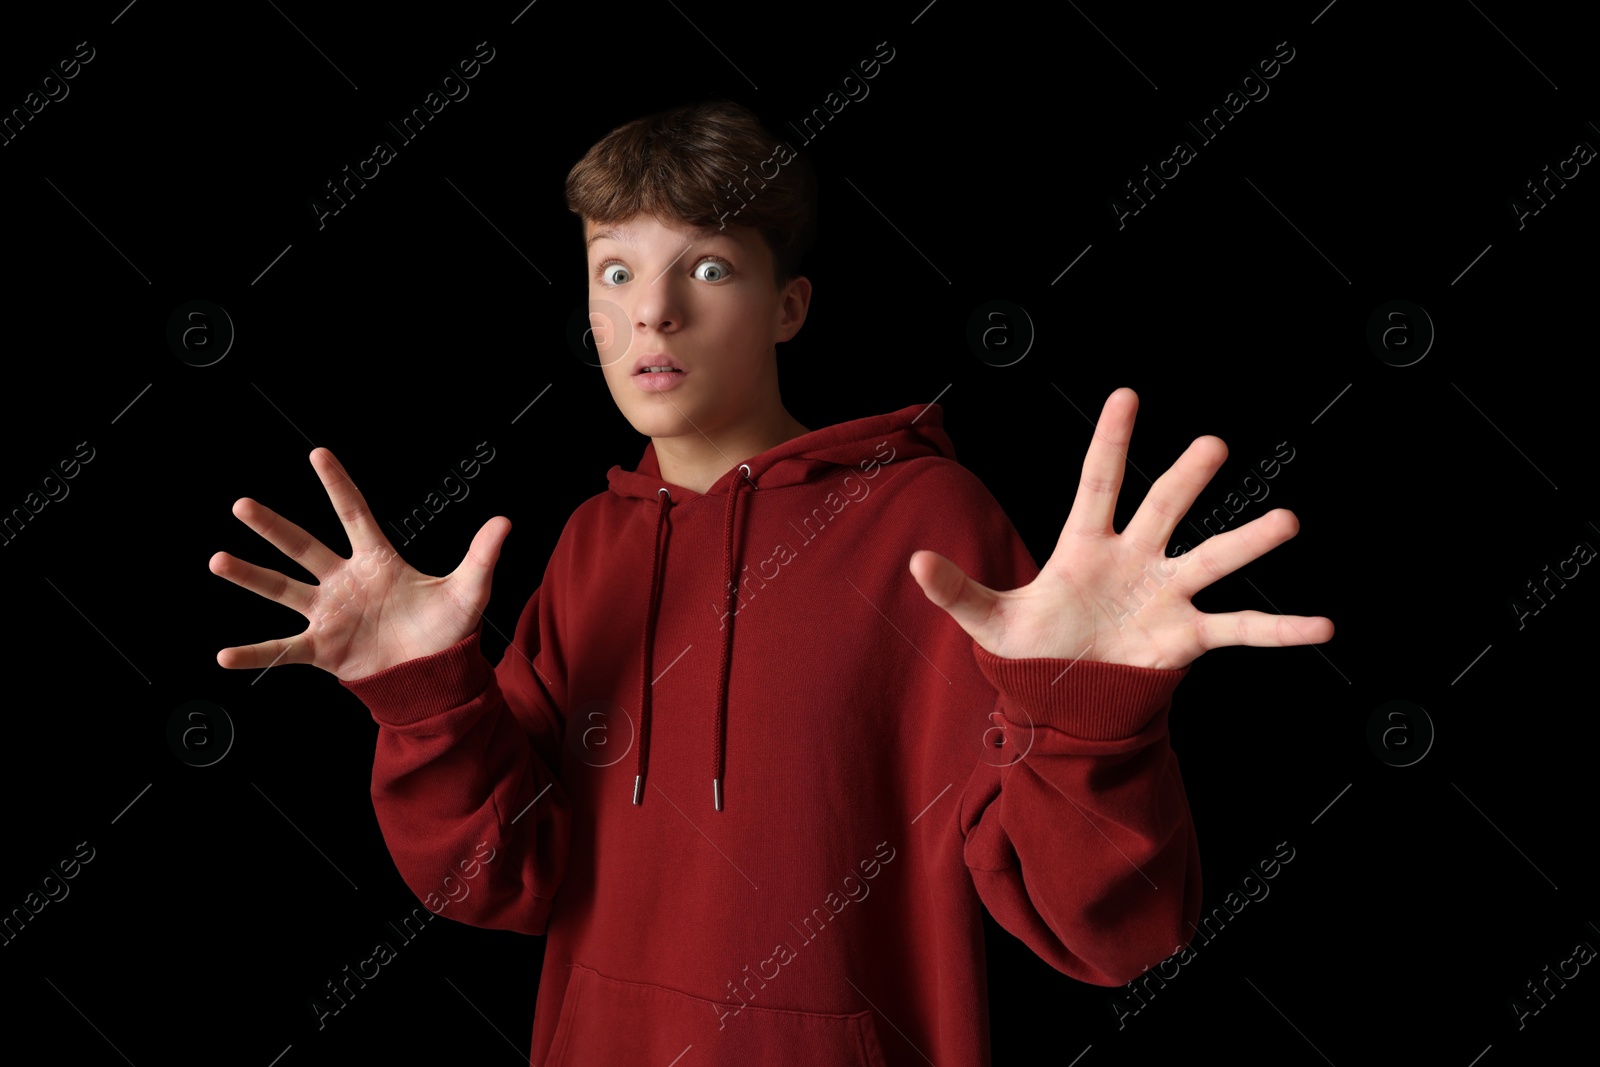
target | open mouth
x=658, y=377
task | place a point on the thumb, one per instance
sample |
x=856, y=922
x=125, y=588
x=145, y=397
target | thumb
x=477, y=567
x=948, y=586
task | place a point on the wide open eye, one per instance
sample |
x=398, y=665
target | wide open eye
x=711, y=270
x=615, y=274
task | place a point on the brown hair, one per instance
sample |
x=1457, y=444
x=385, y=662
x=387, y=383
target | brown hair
x=709, y=165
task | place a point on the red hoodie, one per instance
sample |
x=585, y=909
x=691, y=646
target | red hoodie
x=758, y=829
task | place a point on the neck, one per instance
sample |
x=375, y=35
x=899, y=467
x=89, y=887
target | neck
x=696, y=461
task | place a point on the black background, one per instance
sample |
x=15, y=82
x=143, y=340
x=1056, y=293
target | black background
x=415, y=324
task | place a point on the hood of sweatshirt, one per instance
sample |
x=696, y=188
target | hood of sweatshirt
x=822, y=454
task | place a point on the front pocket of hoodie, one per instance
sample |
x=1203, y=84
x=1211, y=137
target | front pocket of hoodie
x=606, y=1022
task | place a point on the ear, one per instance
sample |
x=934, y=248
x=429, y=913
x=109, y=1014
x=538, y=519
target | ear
x=793, y=302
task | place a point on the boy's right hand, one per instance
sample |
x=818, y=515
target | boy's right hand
x=365, y=613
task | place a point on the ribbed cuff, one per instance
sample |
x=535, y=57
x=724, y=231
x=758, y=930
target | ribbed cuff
x=1094, y=701
x=426, y=686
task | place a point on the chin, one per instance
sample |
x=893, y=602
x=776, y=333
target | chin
x=667, y=422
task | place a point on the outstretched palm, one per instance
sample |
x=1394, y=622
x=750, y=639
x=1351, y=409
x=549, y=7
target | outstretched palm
x=1118, y=598
x=365, y=613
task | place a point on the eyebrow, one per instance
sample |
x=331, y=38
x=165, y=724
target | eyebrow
x=605, y=235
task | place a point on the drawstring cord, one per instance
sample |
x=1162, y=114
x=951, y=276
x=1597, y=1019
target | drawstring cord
x=718, y=755
x=725, y=663
x=642, y=757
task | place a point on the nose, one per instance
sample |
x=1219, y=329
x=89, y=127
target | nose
x=657, y=304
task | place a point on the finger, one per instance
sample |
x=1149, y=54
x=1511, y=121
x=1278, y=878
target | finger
x=348, y=503
x=1228, y=551
x=266, y=654
x=288, y=538
x=1096, y=502
x=1174, y=493
x=1262, y=630
x=263, y=582
x=477, y=567
x=947, y=585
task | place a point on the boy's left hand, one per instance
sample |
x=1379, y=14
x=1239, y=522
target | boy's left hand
x=1083, y=604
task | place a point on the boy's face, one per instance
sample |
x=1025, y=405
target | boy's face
x=703, y=298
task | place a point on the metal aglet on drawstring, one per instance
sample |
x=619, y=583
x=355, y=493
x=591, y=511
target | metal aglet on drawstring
x=716, y=792
x=638, y=789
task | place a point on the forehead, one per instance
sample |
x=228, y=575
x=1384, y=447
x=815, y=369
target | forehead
x=642, y=231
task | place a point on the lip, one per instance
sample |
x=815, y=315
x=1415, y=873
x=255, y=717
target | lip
x=656, y=359
x=657, y=383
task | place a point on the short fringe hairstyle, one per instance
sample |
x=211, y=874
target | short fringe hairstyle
x=708, y=165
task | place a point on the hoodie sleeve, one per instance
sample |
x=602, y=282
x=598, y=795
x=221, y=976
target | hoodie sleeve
x=1076, y=830
x=1079, y=839
x=464, y=783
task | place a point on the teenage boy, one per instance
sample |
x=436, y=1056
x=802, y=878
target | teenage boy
x=753, y=778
